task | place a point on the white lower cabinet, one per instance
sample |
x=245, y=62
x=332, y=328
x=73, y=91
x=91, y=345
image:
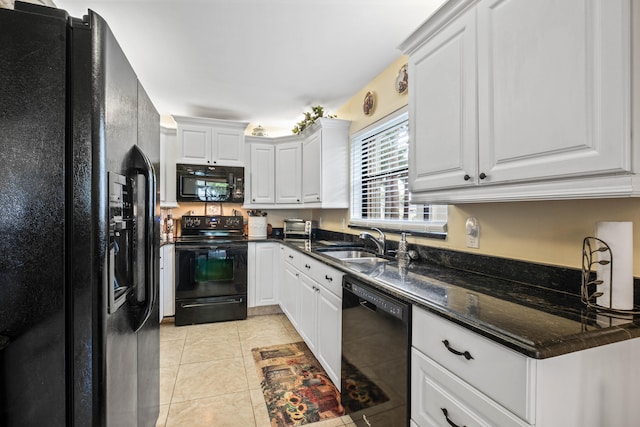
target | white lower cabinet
x=438, y=398
x=289, y=294
x=311, y=298
x=167, y=281
x=461, y=378
x=263, y=273
x=308, y=316
x=329, y=333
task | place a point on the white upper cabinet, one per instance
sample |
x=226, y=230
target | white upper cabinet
x=325, y=164
x=311, y=170
x=168, y=145
x=442, y=94
x=210, y=141
x=554, y=85
x=519, y=99
x=261, y=174
x=289, y=172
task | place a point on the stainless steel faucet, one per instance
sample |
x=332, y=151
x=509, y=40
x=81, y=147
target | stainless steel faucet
x=380, y=242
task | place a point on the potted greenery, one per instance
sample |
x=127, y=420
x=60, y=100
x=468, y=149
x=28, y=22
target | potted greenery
x=310, y=117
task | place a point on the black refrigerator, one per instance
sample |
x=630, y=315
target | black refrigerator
x=79, y=226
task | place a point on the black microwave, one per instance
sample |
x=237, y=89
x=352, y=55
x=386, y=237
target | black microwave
x=199, y=183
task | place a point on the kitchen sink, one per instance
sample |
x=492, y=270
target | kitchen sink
x=355, y=256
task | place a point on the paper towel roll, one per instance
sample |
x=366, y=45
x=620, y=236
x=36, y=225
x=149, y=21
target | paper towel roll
x=618, y=235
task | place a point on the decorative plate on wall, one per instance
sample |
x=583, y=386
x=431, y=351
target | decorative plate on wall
x=369, y=103
x=402, y=80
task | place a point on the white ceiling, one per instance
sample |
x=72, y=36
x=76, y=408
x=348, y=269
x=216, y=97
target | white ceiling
x=262, y=61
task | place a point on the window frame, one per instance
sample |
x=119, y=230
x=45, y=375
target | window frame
x=436, y=228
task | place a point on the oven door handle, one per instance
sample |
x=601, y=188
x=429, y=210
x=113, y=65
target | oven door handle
x=206, y=304
x=142, y=166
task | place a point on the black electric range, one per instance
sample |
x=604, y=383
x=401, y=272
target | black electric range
x=211, y=270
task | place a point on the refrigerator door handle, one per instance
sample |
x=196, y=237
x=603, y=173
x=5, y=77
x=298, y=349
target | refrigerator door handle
x=142, y=166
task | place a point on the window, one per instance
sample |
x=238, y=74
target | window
x=379, y=180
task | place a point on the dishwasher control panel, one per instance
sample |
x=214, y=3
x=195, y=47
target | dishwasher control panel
x=382, y=302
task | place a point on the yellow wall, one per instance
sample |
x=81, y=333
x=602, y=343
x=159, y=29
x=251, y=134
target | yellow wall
x=548, y=232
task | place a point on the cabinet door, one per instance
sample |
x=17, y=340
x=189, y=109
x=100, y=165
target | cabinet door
x=307, y=321
x=442, y=109
x=168, y=146
x=288, y=172
x=329, y=333
x=169, y=299
x=289, y=293
x=194, y=144
x=312, y=168
x=435, y=390
x=227, y=147
x=554, y=88
x=266, y=273
x=262, y=173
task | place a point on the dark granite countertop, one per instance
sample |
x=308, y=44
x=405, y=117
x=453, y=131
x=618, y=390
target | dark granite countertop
x=533, y=320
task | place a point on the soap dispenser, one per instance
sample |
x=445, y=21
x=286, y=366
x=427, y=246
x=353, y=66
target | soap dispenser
x=403, y=247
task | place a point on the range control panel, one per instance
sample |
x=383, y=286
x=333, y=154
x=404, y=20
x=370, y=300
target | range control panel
x=212, y=222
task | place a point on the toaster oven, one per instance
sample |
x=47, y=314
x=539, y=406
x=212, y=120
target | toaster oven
x=298, y=229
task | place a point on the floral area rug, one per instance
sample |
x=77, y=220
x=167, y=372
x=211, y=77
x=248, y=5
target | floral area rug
x=296, y=389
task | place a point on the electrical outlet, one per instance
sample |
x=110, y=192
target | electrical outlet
x=473, y=233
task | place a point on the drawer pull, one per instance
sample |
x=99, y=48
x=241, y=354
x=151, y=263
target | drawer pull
x=466, y=354
x=290, y=256
x=329, y=278
x=307, y=266
x=446, y=416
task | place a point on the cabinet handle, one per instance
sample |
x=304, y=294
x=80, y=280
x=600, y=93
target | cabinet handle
x=466, y=354
x=215, y=162
x=290, y=256
x=482, y=175
x=298, y=200
x=329, y=278
x=307, y=266
x=446, y=416
x=467, y=177
x=317, y=197
x=254, y=200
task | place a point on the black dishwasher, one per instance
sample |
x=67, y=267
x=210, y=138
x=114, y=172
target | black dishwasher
x=376, y=336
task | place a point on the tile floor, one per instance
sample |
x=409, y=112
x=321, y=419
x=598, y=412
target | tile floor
x=208, y=377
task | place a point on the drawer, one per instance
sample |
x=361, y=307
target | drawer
x=290, y=255
x=327, y=276
x=502, y=374
x=439, y=398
